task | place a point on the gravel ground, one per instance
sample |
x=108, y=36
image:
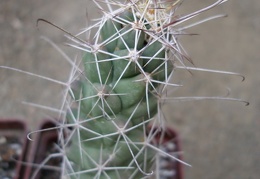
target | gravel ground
x=220, y=139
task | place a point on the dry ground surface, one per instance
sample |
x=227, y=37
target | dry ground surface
x=220, y=139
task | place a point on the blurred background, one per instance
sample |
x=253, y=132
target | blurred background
x=220, y=139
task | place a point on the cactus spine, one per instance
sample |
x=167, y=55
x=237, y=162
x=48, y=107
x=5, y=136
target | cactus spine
x=127, y=67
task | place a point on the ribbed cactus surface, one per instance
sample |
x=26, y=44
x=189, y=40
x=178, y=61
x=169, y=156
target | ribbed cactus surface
x=118, y=94
x=127, y=67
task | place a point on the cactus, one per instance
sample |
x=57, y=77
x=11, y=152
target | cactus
x=114, y=107
x=125, y=72
x=127, y=67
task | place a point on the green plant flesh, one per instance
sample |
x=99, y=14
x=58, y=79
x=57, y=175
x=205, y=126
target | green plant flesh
x=127, y=67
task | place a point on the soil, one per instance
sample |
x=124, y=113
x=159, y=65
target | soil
x=11, y=148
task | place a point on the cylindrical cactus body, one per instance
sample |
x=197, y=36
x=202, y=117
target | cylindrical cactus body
x=127, y=67
x=117, y=96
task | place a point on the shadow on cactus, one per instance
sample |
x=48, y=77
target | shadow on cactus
x=113, y=112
